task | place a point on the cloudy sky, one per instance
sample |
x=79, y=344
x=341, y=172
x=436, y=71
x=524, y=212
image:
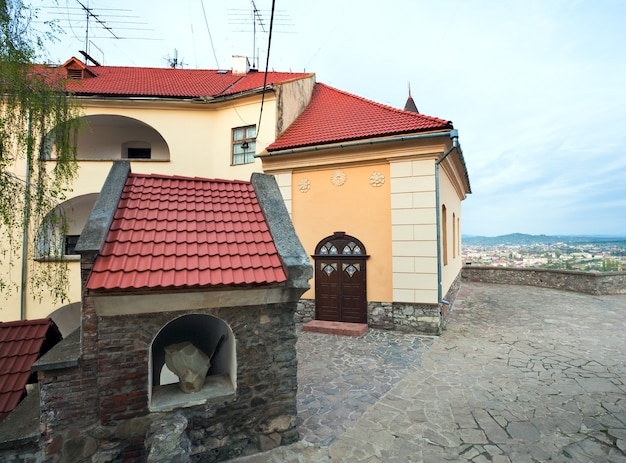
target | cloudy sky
x=536, y=88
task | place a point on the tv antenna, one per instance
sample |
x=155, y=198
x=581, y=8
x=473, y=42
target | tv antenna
x=89, y=15
x=173, y=62
x=95, y=21
x=243, y=17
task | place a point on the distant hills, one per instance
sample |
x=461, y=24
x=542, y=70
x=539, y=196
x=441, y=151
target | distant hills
x=521, y=239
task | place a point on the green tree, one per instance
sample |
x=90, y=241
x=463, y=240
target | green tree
x=36, y=114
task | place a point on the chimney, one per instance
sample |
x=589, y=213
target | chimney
x=241, y=65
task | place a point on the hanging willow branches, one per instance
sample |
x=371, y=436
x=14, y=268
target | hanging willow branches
x=38, y=129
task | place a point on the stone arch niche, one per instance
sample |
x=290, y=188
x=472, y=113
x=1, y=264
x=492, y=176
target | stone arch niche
x=110, y=137
x=211, y=336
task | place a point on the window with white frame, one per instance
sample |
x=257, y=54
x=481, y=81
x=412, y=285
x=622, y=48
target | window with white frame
x=244, y=145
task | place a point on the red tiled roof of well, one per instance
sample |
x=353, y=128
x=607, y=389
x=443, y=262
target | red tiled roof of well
x=173, y=232
x=20, y=346
x=333, y=116
x=167, y=82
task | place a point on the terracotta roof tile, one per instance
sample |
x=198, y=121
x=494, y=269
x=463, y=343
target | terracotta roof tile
x=171, y=83
x=333, y=116
x=186, y=232
x=20, y=346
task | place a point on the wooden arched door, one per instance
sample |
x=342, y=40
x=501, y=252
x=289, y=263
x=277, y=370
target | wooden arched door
x=340, y=279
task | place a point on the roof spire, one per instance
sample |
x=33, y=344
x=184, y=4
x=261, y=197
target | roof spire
x=410, y=104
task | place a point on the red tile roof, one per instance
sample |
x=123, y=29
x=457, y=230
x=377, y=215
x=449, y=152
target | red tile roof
x=186, y=232
x=20, y=346
x=169, y=82
x=334, y=115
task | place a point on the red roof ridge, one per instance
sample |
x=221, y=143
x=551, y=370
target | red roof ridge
x=334, y=116
x=187, y=178
x=381, y=105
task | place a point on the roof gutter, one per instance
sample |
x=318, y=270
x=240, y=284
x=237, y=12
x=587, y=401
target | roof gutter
x=363, y=142
x=198, y=99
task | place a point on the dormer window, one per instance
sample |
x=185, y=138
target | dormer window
x=75, y=73
x=76, y=69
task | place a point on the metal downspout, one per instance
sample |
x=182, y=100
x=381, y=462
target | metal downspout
x=26, y=219
x=454, y=135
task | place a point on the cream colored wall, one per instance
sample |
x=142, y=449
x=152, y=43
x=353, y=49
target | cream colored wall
x=292, y=98
x=414, y=238
x=357, y=208
x=198, y=136
x=450, y=197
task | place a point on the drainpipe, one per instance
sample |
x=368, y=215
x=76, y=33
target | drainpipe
x=454, y=135
x=26, y=219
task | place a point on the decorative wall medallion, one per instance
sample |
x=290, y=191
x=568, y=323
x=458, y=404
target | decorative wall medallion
x=338, y=178
x=304, y=185
x=377, y=178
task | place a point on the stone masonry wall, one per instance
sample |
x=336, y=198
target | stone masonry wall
x=407, y=317
x=259, y=416
x=305, y=311
x=68, y=405
x=583, y=282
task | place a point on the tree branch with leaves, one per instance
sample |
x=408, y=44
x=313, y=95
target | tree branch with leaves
x=38, y=132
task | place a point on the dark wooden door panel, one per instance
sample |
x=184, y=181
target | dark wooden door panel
x=327, y=283
x=352, y=292
x=340, y=280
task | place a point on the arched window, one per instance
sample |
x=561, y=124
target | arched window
x=458, y=234
x=453, y=235
x=444, y=234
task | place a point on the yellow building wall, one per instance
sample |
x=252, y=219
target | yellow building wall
x=449, y=196
x=321, y=205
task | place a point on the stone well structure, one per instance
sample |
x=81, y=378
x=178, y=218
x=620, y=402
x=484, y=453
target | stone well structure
x=106, y=391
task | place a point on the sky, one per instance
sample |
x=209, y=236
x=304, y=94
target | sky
x=536, y=88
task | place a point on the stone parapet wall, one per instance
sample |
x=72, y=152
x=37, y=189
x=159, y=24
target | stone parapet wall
x=597, y=283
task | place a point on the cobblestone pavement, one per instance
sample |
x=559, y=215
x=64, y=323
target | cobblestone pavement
x=521, y=374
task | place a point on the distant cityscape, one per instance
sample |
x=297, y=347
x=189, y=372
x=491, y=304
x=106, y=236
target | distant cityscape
x=583, y=253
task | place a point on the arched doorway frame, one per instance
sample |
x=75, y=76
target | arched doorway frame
x=341, y=279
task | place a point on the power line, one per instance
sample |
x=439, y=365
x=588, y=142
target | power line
x=267, y=65
x=209, y=31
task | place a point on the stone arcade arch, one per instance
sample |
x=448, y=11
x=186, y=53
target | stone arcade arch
x=52, y=242
x=110, y=137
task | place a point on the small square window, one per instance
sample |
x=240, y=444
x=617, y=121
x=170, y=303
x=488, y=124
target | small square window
x=244, y=145
x=70, y=245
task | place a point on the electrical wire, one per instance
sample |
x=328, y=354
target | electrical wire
x=209, y=31
x=267, y=64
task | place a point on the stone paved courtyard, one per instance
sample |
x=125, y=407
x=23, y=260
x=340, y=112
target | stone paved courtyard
x=521, y=374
